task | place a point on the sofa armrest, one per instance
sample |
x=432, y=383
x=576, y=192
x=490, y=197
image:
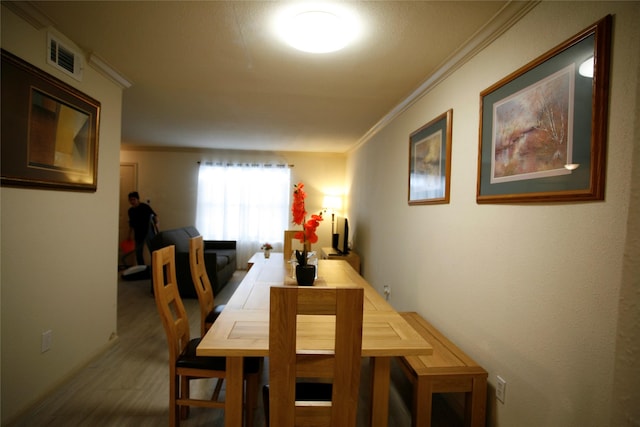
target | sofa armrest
x=219, y=244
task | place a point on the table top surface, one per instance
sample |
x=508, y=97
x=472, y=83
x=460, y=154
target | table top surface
x=259, y=257
x=242, y=329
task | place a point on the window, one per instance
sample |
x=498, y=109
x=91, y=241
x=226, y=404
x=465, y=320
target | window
x=248, y=203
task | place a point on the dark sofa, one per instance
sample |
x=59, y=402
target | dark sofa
x=219, y=258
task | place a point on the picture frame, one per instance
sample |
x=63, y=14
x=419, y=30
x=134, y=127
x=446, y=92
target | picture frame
x=543, y=128
x=49, y=130
x=430, y=161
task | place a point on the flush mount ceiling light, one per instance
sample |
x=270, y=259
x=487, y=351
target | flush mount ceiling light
x=317, y=28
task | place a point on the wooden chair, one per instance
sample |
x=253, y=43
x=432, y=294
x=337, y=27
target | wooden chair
x=184, y=365
x=208, y=311
x=289, y=403
x=288, y=247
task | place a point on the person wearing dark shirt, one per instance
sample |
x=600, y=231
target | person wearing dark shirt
x=140, y=216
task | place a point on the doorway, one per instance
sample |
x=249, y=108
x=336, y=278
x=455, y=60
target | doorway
x=128, y=183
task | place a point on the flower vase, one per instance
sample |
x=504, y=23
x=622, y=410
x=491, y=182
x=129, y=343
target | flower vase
x=267, y=253
x=312, y=259
x=305, y=274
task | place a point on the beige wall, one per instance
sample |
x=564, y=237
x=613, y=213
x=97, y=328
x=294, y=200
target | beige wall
x=169, y=178
x=58, y=254
x=531, y=292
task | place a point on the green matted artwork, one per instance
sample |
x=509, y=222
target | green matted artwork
x=543, y=128
x=430, y=161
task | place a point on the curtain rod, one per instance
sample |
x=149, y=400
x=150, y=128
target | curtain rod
x=253, y=164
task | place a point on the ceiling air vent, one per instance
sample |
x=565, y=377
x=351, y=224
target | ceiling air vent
x=64, y=58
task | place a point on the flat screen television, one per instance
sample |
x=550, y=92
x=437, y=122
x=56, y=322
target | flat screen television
x=341, y=237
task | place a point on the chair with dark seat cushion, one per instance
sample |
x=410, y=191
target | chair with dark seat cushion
x=184, y=364
x=209, y=312
x=289, y=402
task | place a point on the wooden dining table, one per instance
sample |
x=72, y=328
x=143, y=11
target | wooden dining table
x=242, y=330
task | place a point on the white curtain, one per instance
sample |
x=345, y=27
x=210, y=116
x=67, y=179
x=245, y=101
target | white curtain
x=248, y=203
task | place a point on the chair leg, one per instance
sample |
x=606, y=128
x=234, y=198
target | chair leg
x=174, y=419
x=184, y=394
x=265, y=404
x=216, y=390
x=251, y=399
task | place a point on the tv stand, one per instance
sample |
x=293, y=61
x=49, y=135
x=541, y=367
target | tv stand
x=352, y=258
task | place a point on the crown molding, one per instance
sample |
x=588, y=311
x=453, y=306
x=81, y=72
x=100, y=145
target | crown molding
x=30, y=13
x=107, y=70
x=504, y=19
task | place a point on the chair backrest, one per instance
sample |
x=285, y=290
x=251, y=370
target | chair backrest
x=170, y=306
x=289, y=245
x=200, y=279
x=343, y=366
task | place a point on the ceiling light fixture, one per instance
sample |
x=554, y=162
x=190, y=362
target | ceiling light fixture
x=317, y=28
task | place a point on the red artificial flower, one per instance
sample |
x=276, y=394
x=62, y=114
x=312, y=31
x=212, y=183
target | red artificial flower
x=308, y=233
x=297, y=208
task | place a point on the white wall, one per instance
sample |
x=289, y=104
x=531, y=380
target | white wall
x=169, y=178
x=59, y=252
x=530, y=292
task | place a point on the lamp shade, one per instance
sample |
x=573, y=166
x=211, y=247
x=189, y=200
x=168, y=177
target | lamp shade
x=332, y=203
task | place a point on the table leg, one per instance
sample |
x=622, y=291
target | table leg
x=476, y=406
x=235, y=392
x=422, y=401
x=380, y=383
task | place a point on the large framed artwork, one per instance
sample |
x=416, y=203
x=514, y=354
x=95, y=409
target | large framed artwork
x=430, y=161
x=49, y=130
x=543, y=128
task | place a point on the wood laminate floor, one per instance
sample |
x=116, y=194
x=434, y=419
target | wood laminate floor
x=128, y=385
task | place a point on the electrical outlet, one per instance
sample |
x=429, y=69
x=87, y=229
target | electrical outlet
x=387, y=291
x=47, y=340
x=501, y=389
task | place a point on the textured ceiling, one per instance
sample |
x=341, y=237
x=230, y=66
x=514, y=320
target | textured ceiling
x=212, y=73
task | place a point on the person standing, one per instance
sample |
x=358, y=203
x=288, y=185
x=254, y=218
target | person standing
x=140, y=217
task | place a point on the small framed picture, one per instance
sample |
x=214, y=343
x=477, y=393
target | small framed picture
x=543, y=129
x=430, y=161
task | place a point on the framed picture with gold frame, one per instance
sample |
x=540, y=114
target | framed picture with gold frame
x=543, y=128
x=430, y=161
x=49, y=130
